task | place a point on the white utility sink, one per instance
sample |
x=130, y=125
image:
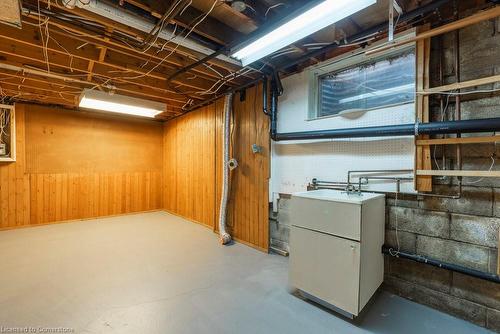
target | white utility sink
x=336, y=247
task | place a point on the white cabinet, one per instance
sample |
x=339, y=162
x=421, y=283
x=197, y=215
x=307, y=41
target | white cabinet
x=336, y=247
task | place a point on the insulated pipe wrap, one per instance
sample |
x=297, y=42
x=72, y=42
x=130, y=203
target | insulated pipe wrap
x=225, y=238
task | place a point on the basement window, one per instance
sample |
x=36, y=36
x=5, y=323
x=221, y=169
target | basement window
x=373, y=84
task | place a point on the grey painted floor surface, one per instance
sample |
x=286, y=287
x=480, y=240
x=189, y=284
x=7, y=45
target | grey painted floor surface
x=157, y=273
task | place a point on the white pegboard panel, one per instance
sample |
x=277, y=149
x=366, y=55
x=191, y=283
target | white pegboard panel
x=295, y=164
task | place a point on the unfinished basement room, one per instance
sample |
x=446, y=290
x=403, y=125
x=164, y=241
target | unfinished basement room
x=249, y=166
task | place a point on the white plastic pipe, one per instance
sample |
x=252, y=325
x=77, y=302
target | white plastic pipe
x=224, y=237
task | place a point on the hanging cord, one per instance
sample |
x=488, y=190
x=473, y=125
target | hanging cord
x=178, y=44
x=489, y=170
x=443, y=115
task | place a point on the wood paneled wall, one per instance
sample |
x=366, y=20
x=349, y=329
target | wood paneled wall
x=73, y=166
x=189, y=166
x=193, y=168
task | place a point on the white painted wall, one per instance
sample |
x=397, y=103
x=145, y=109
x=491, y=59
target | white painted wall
x=295, y=164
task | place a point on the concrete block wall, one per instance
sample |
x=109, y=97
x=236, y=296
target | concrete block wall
x=462, y=231
x=279, y=224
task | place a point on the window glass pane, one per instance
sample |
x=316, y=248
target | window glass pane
x=376, y=84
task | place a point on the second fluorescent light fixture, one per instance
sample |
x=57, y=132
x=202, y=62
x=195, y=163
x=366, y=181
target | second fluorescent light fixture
x=94, y=99
x=307, y=23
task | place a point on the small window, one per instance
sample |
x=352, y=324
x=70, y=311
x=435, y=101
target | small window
x=370, y=85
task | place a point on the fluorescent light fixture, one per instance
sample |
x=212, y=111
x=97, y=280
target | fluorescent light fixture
x=307, y=23
x=94, y=99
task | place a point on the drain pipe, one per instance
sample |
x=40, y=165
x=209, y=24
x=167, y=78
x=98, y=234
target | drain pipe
x=413, y=129
x=444, y=265
x=276, y=90
x=227, y=164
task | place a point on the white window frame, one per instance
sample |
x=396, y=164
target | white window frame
x=349, y=60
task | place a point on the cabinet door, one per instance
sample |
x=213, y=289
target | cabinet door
x=326, y=267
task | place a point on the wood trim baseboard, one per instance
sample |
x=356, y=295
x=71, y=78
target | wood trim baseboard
x=246, y=243
x=76, y=220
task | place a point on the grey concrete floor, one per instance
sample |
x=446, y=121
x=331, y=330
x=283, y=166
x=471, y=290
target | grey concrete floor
x=157, y=273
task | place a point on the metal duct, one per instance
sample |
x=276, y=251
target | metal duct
x=225, y=237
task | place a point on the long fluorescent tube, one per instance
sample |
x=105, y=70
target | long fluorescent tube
x=92, y=99
x=316, y=18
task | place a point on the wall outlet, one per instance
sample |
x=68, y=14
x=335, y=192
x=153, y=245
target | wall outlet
x=3, y=149
x=256, y=148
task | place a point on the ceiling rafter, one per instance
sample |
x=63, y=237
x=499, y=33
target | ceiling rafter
x=42, y=97
x=104, y=42
x=52, y=82
x=29, y=35
x=17, y=42
x=97, y=56
x=108, y=55
x=209, y=28
x=128, y=88
x=139, y=35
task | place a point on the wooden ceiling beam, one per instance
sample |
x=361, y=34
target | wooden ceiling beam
x=57, y=86
x=102, y=43
x=35, y=81
x=16, y=55
x=70, y=97
x=87, y=54
x=187, y=53
x=173, y=62
x=209, y=28
x=102, y=56
x=31, y=95
x=41, y=86
x=130, y=89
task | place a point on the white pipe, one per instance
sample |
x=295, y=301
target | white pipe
x=225, y=238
